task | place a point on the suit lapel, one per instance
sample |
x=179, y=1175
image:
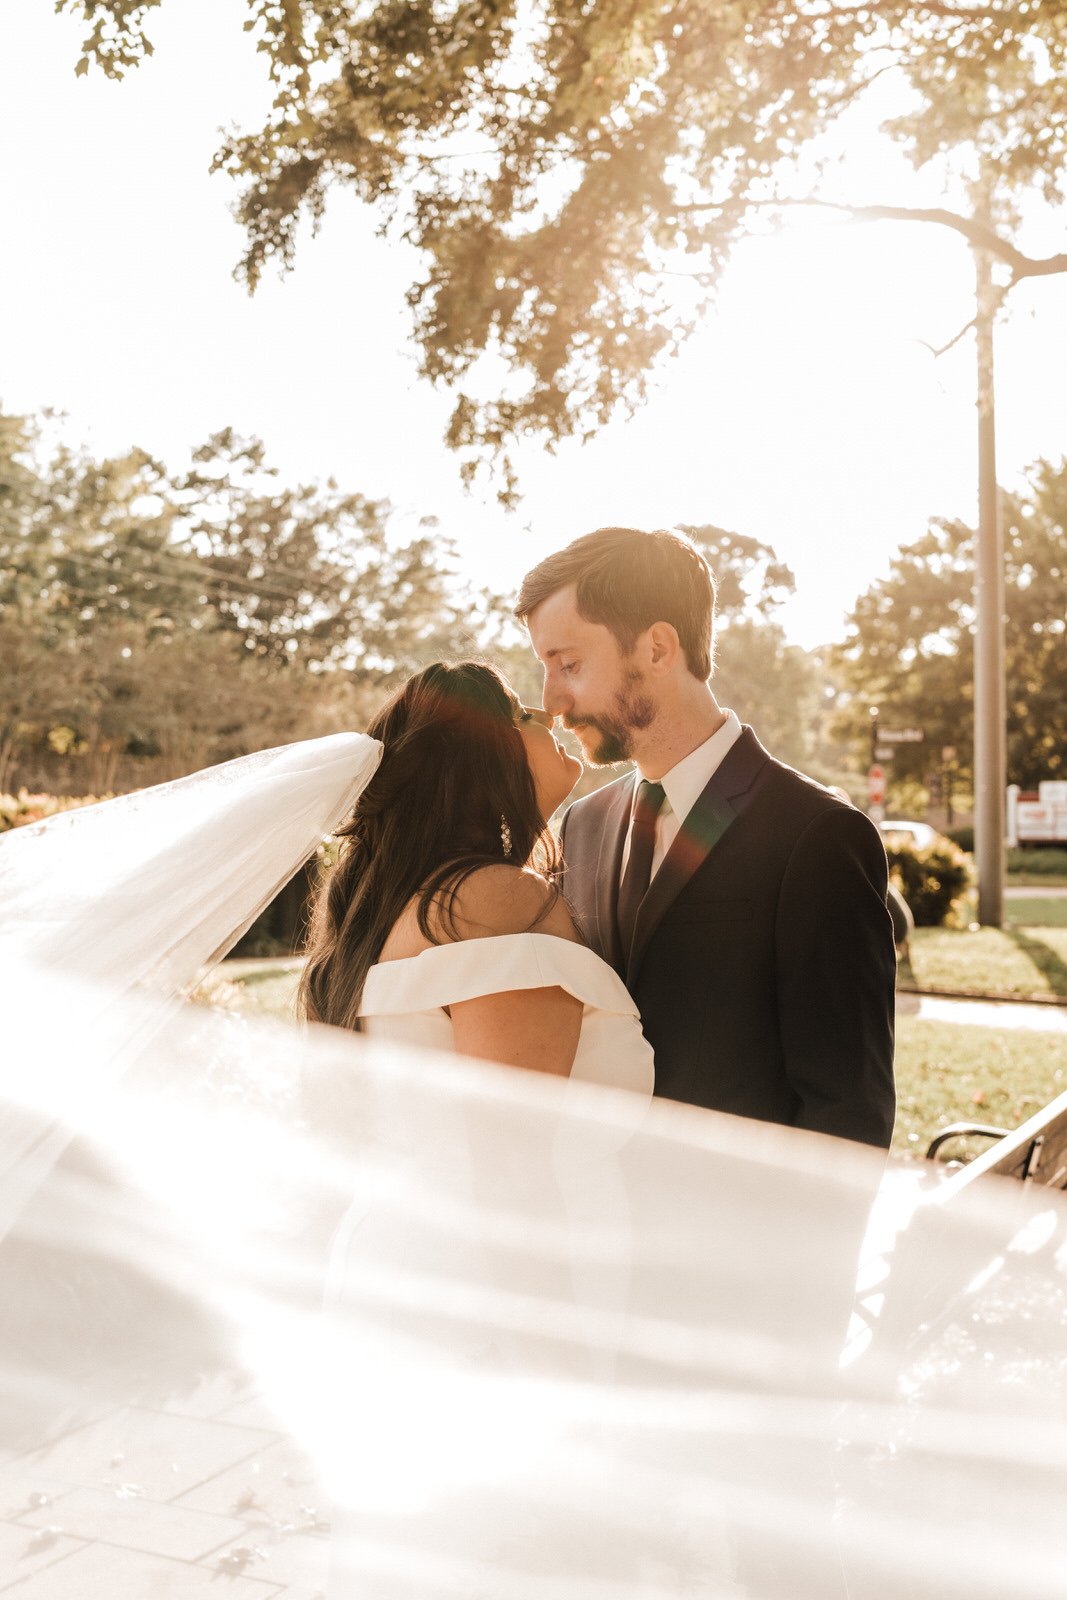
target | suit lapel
x=720, y=802
x=608, y=866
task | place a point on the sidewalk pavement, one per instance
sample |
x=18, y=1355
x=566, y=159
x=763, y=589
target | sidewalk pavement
x=197, y=1499
x=983, y=1012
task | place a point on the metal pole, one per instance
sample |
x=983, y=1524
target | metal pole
x=990, y=709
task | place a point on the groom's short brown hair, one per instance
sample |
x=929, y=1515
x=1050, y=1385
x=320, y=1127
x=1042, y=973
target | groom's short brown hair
x=626, y=580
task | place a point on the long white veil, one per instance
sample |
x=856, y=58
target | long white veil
x=290, y=1314
x=140, y=893
x=143, y=890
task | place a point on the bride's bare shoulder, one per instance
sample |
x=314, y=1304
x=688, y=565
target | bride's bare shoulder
x=503, y=899
x=492, y=900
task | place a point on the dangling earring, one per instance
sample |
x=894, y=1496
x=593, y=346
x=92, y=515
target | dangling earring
x=505, y=834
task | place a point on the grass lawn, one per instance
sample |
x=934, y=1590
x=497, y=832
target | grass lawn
x=1040, y=912
x=1033, y=866
x=950, y=1072
x=946, y=1072
x=267, y=992
x=1027, y=960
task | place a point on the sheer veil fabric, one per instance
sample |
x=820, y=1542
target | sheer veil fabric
x=143, y=890
x=775, y=1368
x=140, y=893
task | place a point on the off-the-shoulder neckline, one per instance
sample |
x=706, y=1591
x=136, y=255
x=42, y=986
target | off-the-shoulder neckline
x=489, y=938
x=497, y=963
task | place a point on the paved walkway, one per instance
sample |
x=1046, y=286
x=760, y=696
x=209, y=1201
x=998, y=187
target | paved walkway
x=197, y=1500
x=1046, y=1018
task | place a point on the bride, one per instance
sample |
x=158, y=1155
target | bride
x=443, y=924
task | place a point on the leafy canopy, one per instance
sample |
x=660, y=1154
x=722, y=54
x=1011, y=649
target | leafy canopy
x=175, y=619
x=910, y=645
x=556, y=160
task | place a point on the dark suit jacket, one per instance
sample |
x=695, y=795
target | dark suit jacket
x=763, y=961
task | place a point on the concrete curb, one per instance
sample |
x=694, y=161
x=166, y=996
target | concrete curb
x=1051, y=1000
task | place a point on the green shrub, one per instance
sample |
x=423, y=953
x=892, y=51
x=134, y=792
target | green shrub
x=932, y=880
x=1040, y=860
x=964, y=837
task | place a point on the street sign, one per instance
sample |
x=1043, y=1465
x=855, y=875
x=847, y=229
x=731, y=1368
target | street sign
x=884, y=752
x=876, y=813
x=875, y=787
x=901, y=735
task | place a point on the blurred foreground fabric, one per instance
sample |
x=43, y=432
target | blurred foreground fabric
x=288, y=1314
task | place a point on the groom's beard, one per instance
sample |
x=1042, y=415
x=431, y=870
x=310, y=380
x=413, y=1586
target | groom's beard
x=631, y=713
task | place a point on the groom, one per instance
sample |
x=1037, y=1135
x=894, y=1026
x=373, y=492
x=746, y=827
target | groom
x=743, y=904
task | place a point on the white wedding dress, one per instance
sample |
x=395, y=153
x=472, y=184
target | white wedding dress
x=404, y=1000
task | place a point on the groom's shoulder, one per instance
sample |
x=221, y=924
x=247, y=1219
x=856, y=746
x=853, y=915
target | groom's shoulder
x=595, y=806
x=803, y=789
x=804, y=801
x=753, y=772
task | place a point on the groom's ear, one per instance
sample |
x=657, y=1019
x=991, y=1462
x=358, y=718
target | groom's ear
x=663, y=647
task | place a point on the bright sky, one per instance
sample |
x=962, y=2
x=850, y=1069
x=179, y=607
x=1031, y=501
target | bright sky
x=806, y=412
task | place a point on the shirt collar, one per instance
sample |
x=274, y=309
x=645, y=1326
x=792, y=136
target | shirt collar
x=688, y=778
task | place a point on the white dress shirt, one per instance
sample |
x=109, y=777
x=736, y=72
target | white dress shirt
x=683, y=785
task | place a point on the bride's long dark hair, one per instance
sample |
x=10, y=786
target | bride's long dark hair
x=453, y=765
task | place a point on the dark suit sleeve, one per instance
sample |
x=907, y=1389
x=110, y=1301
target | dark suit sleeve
x=836, y=967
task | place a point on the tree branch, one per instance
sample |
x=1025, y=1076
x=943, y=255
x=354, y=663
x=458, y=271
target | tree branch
x=980, y=235
x=943, y=350
x=999, y=298
x=931, y=8
x=849, y=95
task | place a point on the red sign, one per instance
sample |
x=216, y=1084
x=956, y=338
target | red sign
x=876, y=786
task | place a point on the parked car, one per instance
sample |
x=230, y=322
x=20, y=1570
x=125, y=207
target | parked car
x=920, y=834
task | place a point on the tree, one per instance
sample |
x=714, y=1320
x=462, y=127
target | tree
x=22, y=499
x=312, y=575
x=910, y=645
x=750, y=581
x=758, y=674
x=174, y=620
x=36, y=645
x=554, y=164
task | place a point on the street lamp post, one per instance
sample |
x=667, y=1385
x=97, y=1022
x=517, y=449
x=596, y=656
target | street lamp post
x=990, y=711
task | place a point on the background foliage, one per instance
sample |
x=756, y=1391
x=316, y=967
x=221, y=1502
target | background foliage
x=155, y=621
x=933, y=880
x=910, y=643
x=558, y=164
